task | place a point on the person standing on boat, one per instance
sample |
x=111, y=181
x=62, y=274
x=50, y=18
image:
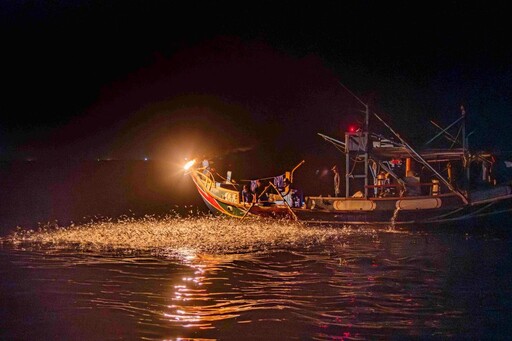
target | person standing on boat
x=206, y=165
x=259, y=192
x=247, y=195
x=337, y=181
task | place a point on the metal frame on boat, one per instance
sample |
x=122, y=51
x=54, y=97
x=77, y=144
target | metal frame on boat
x=385, y=195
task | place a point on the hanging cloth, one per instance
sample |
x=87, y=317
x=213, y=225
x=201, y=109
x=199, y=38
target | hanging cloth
x=279, y=181
x=253, y=186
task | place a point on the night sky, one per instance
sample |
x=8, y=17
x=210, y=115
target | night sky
x=169, y=79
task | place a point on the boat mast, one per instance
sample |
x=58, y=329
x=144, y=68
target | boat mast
x=423, y=161
x=445, y=131
x=454, y=139
x=354, y=142
x=465, y=147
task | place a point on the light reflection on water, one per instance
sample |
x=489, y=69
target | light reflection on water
x=211, y=278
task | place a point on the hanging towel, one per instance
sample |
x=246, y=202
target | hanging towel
x=253, y=186
x=279, y=181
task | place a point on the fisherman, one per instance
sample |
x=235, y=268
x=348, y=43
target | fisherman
x=206, y=165
x=259, y=192
x=381, y=182
x=337, y=181
x=247, y=195
x=412, y=181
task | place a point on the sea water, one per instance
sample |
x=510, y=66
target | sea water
x=207, y=278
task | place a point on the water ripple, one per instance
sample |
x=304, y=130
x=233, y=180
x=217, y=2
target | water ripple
x=209, y=278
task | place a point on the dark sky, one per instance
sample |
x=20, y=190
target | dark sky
x=134, y=79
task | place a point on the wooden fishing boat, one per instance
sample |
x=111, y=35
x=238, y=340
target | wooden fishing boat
x=386, y=182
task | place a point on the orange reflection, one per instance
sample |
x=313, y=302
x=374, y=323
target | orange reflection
x=194, y=306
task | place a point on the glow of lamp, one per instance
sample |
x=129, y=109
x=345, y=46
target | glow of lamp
x=189, y=164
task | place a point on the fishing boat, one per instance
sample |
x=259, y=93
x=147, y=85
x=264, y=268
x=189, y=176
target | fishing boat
x=386, y=181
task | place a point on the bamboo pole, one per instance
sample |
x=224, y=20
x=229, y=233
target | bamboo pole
x=286, y=202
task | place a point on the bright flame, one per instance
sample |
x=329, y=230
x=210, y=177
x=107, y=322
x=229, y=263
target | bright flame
x=189, y=164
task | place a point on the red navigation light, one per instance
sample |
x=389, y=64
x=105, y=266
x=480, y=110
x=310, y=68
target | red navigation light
x=352, y=129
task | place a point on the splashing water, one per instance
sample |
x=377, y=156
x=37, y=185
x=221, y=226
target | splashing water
x=174, y=234
x=393, y=218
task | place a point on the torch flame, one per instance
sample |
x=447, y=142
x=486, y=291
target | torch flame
x=189, y=164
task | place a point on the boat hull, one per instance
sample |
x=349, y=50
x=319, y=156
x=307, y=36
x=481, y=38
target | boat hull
x=356, y=211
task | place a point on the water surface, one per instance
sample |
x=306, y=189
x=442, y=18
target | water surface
x=210, y=278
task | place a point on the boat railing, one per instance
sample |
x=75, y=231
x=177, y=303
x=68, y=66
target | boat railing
x=206, y=177
x=433, y=187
